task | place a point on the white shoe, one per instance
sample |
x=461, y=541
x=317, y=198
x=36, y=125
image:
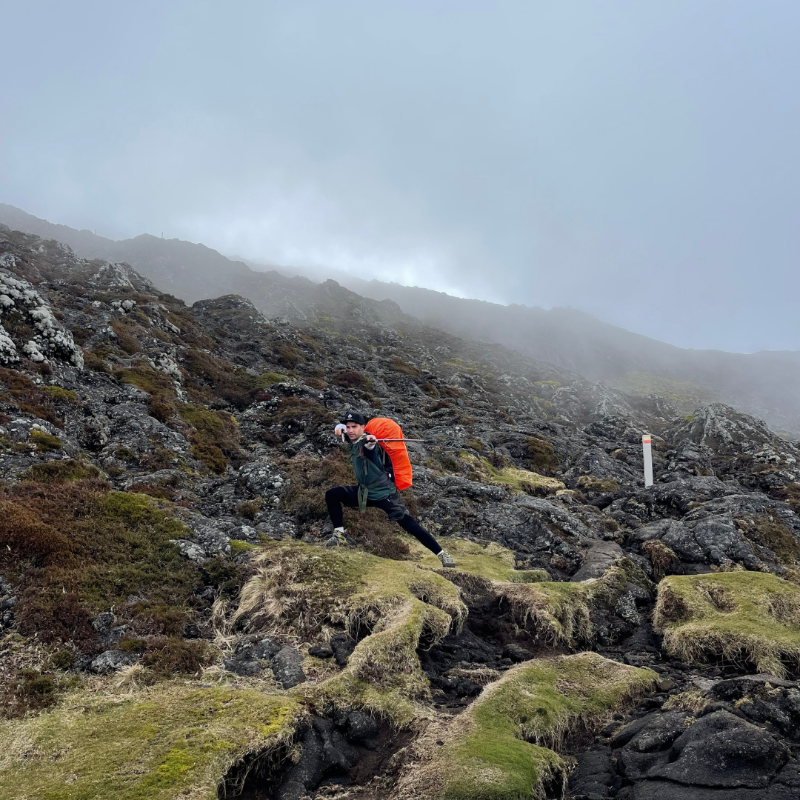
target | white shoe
x=337, y=539
x=446, y=559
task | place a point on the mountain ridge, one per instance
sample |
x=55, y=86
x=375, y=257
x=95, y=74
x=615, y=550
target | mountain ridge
x=766, y=383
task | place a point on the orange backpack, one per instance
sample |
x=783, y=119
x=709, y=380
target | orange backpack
x=383, y=428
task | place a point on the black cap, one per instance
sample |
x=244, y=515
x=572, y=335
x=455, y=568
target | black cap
x=353, y=416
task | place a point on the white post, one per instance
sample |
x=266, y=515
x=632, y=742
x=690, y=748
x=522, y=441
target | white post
x=648, y=460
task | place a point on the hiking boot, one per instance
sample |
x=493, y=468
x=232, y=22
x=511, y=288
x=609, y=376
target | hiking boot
x=446, y=559
x=337, y=539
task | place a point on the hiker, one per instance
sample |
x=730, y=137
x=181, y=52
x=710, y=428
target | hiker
x=375, y=488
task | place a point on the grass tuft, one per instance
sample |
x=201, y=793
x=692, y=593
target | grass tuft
x=499, y=748
x=399, y=605
x=173, y=740
x=591, y=483
x=516, y=480
x=748, y=618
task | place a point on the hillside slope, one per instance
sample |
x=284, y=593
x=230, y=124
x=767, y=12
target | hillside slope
x=171, y=625
x=766, y=384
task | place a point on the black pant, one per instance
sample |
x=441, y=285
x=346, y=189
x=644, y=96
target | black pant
x=393, y=505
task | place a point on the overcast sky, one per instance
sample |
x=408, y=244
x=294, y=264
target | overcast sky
x=636, y=160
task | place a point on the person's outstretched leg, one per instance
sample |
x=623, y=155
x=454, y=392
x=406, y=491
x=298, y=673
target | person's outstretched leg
x=410, y=525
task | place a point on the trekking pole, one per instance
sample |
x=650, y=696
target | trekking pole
x=400, y=440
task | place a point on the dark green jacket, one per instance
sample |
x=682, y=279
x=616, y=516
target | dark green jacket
x=373, y=482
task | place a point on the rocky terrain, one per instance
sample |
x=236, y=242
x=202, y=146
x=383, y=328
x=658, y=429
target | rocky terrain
x=765, y=384
x=172, y=627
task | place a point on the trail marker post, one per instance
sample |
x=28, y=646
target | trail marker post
x=648, y=460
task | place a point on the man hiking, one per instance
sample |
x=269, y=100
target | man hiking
x=375, y=488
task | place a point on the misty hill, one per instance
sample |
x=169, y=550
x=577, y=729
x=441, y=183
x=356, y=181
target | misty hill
x=172, y=626
x=766, y=384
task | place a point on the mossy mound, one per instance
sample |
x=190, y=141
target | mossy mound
x=743, y=617
x=560, y=612
x=172, y=741
x=514, y=479
x=498, y=749
x=305, y=590
x=491, y=562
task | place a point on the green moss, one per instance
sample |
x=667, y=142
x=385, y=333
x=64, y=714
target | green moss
x=58, y=394
x=171, y=741
x=267, y=379
x=215, y=438
x=61, y=471
x=491, y=562
x=498, y=748
x=238, y=547
x=516, y=480
x=744, y=617
x=400, y=603
x=45, y=442
x=766, y=531
x=591, y=483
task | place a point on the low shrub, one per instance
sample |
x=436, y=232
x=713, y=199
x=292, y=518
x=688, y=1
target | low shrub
x=27, y=396
x=75, y=549
x=45, y=442
x=214, y=436
x=398, y=365
x=178, y=657
x=541, y=455
x=591, y=483
x=298, y=413
x=350, y=379
x=61, y=472
x=287, y=354
x=233, y=384
x=769, y=532
x=127, y=335
x=58, y=394
x=156, y=383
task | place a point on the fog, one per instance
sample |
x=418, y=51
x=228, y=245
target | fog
x=637, y=161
